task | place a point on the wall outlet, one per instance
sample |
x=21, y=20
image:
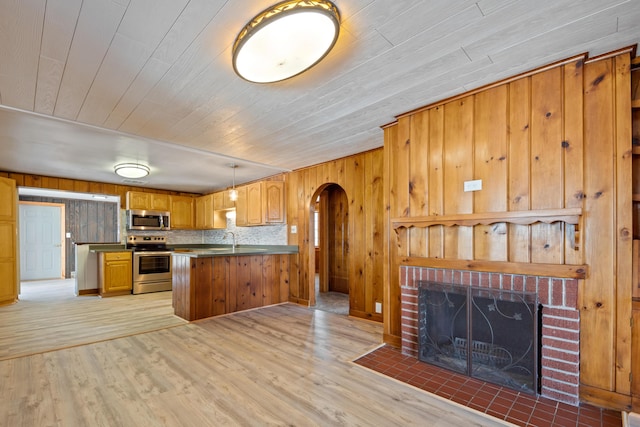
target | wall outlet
x=378, y=307
x=474, y=185
x=294, y=229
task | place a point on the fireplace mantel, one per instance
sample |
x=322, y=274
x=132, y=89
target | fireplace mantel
x=567, y=271
x=569, y=216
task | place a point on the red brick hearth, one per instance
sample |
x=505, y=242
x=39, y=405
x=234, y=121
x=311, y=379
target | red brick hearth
x=560, y=320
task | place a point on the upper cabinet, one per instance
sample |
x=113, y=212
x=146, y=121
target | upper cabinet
x=8, y=242
x=148, y=201
x=241, y=207
x=221, y=201
x=207, y=214
x=182, y=212
x=260, y=203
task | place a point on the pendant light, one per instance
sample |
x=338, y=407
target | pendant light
x=285, y=40
x=233, y=193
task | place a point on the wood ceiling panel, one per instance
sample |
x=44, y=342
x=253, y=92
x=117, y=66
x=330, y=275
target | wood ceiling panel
x=96, y=28
x=162, y=69
x=515, y=24
x=143, y=27
x=19, y=61
x=112, y=80
x=438, y=16
x=565, y=37
x=57, y=34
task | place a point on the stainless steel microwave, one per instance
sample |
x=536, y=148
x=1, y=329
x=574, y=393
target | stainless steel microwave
x=148, y=220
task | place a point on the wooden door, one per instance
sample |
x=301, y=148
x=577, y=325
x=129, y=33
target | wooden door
x=338, y=240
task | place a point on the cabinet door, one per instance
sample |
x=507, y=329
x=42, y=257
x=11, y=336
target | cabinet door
x=204, y=212
x=273, y=201
x=218, y=200
x=138, y=200
x=117, y=273
x=200, y=215
x=8, y=246
x=254, y=204
x=208, y=212
x=226, y=201
x=160, y=202
x=8, y=199
x=182, y=208
x=241, y=207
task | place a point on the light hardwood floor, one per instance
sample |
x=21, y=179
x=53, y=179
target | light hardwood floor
x=49, y=316
x=279, y=365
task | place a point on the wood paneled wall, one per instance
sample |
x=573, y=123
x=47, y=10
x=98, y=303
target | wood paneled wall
x=64, y=184
x=558, y=137
x=360, y=176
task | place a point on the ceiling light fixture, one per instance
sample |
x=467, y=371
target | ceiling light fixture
x=233, y=193
x=131, y=170
x=285, y=40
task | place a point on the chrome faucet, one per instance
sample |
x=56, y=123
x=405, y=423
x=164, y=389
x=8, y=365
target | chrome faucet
x=233, y=246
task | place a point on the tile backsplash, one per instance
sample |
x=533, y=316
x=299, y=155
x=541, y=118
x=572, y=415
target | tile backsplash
x=259, y=235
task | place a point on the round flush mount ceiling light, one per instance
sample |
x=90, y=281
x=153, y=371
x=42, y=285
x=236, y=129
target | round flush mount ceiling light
x=285, y=40
x=131, y=170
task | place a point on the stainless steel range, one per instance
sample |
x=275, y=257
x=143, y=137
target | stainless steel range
x=151, y=263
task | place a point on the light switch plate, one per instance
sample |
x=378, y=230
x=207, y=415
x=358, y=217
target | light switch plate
x=378, y=307
x=474, y=185
x=294, y=229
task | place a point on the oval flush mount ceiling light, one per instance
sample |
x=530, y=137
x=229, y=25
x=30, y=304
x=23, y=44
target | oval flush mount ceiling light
x=131, y=170
x=285, y=40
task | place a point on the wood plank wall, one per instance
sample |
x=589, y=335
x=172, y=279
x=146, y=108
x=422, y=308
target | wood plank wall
x=64, y=184
x=360, y=176
x=558, y=137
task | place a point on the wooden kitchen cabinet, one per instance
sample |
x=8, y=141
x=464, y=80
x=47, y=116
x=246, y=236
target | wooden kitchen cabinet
x=207, y=217
x=221, y=201
x=260, y=203
x=241, y=207
x=8, y=243
x=114, y=273
x=273, y=202
x=254, y=204
x=147, y=201
x=204, y=212
x=182, y=212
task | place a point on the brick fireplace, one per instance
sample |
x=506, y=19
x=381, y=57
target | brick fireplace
x=560, y=352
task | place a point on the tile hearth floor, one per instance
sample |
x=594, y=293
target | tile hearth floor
x=503, y=403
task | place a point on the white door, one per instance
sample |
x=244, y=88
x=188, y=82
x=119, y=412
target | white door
x=40, y=242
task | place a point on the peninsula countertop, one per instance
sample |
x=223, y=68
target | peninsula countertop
x=212, y=250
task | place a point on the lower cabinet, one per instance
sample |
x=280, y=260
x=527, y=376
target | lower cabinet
x=114, y=273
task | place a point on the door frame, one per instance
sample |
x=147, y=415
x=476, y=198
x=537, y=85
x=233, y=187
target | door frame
x=323, y=208
x=63, y=240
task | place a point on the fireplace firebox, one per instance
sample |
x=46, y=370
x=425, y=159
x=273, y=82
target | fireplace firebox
x=484, y=333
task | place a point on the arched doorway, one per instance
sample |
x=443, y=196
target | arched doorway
x=330, y=232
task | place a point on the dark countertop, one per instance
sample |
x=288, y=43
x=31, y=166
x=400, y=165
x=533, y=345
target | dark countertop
x=209, y=250
x=108, y=247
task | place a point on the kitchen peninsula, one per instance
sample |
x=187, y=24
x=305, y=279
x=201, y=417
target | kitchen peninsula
x=216, y=279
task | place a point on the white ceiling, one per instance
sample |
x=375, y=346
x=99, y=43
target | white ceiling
x=85, y=84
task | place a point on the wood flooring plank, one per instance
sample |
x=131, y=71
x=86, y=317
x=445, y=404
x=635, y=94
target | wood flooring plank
x=278, y=365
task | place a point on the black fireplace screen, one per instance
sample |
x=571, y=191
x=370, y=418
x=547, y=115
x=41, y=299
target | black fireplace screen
x=488, y=334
